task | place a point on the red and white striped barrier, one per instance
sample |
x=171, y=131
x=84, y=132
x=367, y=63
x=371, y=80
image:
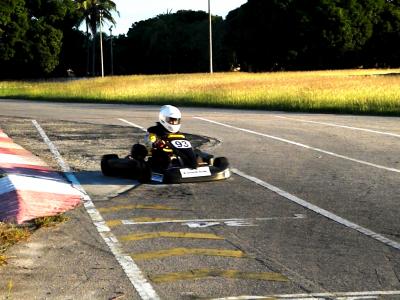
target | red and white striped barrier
x=29, y=188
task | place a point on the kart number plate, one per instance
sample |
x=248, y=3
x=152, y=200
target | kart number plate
x=181, y=144
x=199, y=172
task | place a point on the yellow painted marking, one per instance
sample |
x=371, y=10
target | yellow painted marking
x=204, y=273
x=134, y=206
x=168, y=234
x=114, y=223
x=188, y=251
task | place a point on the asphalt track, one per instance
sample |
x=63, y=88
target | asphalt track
x=311, y=211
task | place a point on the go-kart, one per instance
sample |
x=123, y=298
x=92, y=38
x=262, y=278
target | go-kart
x=185, y=164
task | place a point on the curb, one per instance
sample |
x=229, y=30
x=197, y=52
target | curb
x=29, y=188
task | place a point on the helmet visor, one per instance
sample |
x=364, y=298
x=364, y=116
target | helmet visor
x=173, y=121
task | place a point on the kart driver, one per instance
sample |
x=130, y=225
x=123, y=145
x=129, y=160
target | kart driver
x=169, y=123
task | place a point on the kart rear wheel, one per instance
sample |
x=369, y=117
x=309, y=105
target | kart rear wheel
x=105, y=167
x=221, y=162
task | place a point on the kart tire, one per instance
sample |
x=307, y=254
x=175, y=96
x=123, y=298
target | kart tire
x=145, y=174
x=221, y=162
x=139, y=151
x=105, y=167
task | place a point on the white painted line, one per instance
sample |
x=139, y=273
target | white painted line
x=135, y=275
x=130, y=222
x=341, y=126
x=133, y=124
x=322, y=296
x=320, y=211
x=302, y=145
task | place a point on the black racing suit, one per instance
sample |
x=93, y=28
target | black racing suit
x=160, y=152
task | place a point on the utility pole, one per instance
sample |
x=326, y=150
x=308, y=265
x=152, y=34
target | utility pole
x=111, y=51
x=101, y=45
x=210, y=38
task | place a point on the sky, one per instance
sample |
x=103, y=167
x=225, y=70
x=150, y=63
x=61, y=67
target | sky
x=132, y=11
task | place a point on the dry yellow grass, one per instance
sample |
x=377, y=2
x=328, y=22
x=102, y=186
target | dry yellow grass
x=9, y=235
x=348, y=91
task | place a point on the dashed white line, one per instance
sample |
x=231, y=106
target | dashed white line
x=341, y=126
x=135, y=275
x=320, y=211
x=302, y=145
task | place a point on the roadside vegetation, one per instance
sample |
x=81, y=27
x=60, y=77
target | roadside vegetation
x=42, y=38
x=356, y=91
x=11, y=234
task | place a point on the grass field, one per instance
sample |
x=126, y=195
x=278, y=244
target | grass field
x=344, y=91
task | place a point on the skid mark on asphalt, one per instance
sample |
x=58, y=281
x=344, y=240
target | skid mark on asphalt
x=188, y=251
x=205, y=273
x=134, y=206
x=156, y=239
x=133, y=272
x=168, y=234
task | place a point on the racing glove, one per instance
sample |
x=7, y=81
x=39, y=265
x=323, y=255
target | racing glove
x=159, y=144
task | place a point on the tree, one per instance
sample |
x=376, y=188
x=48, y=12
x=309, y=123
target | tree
x=94, y=12
x=260, y=34
x=45, y=46
x=298, y=34
x=13, y=27
x=382, y=49
x=31, y=37
x=73, y=50
x=172, y=43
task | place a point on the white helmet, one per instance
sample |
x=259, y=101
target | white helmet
x=170, y=118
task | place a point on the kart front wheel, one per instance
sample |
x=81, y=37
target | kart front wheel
x=221, y=162
x=105, y=166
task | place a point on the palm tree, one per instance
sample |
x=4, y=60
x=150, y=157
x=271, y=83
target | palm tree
x=94, y=12
x=83, y=9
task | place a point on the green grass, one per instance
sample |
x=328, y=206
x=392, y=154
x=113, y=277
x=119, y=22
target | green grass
x=342, y=91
